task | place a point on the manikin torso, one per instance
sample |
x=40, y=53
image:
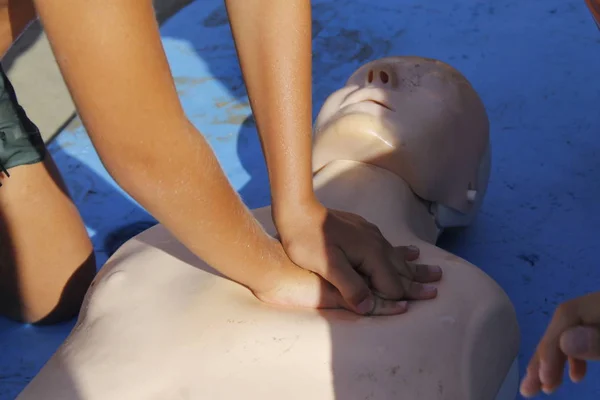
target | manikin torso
x=158, y=323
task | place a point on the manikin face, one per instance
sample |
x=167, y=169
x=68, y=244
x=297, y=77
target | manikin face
x=416, y=117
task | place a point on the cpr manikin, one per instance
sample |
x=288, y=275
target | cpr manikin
x=405, y=145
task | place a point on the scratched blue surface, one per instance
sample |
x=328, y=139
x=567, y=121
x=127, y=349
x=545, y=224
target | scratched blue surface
x=535, y=63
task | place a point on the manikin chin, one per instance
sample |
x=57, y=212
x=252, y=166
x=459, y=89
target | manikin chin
x=404, y=144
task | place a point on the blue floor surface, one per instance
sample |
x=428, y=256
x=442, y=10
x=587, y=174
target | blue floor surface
x=535, y=63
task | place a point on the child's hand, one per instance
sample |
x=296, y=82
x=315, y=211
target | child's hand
x=573, y=335
x=305, y=289
x=353, y=255
x=297, y=287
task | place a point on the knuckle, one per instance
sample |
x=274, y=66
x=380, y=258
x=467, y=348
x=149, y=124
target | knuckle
x=392, y=293
x=376, y=229
x=332, y=259
x=564, y=310
x=360, y=218
x=358, y=292
x=379, y=244
x=333, y=255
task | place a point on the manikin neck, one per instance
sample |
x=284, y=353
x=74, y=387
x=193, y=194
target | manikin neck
x=379, y=196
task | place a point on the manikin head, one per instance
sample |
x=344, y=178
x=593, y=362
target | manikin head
x=418, y=118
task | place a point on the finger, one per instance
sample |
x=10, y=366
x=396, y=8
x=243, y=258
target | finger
x=531, y=384
x=581, y=342
x=427, y=273
x=389, y=307
x=382, y=307
x=423, y=273
x=384, y=278
x=418, y=291
x=410, y=253
x=551, y=372
x=552, y=359
x=378, y=266
x=577, y=369
x=397, y=257
x=351, y=285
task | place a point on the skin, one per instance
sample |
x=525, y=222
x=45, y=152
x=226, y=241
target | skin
x=14, y=18
x=152, y=150
x=157, y=156
x=594, y=6
x=276, y=64
x=45, y=285
x=573, y=337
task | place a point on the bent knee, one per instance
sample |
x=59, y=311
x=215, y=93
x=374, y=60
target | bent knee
x=54, y=295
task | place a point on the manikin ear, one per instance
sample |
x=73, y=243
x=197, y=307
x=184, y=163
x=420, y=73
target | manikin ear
x=471, y=194
x=475, y=192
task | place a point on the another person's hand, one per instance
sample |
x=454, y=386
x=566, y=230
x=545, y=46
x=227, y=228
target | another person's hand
x=574, y=336
x=352, y=254
x=293, y=286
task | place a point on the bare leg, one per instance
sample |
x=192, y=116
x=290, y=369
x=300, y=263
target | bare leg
x=46, y=257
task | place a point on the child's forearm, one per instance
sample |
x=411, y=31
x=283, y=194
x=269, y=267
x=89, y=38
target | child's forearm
x=185, y=189
x=111, y=56
x=273, y=41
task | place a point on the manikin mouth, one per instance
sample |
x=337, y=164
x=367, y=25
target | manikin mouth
x=379, y=103
x=365, y=96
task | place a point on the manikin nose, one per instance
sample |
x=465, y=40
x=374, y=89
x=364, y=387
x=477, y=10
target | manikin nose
x=382, y=76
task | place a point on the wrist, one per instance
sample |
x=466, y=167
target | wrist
x=291, y=196
x=291, y=215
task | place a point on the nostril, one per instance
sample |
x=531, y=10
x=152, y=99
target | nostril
x=380, y=76
x=370, y=76
x=385, y=78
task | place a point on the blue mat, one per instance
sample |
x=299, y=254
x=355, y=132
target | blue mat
x=536, y=65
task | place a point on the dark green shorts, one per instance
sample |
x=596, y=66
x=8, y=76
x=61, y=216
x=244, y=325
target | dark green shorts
x=20, y=140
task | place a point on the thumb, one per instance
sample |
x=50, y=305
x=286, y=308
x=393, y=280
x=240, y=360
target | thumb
x=581, y=342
